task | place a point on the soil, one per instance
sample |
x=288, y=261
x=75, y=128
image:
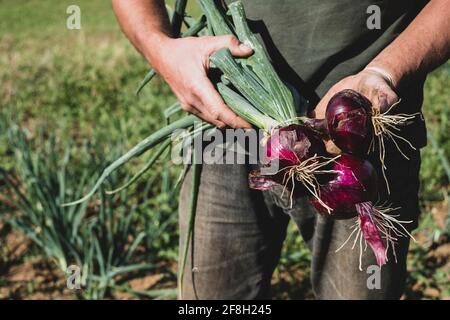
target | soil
x=30, y=278
x=24, y=276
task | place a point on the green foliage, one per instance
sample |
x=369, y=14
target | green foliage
x=437, y=113
x=102, y=238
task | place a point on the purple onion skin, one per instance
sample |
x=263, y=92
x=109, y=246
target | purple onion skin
x=371, y=232
x=318, y=126
x=289, y=145
x=349, y=122
x=293, y=144
x=355, y=182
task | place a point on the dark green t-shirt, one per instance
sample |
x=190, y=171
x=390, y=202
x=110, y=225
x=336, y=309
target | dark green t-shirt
x=316, y=43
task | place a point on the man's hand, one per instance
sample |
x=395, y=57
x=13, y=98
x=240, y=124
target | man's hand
x=184, y=63
x=375, y=85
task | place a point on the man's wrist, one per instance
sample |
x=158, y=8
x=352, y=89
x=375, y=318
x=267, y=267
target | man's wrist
x=393, y=73
x=382, y=72
x=154, y=45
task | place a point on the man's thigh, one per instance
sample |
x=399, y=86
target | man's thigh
x=237, y=237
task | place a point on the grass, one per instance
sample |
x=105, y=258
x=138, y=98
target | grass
x=73, y=90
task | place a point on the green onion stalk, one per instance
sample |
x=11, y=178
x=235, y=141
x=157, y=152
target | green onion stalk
x=250, y=86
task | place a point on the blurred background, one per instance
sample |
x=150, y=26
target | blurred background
x=67, y=108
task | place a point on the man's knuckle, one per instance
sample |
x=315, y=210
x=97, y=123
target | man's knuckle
x=215, y=114
x=219, y=124
x=195, y=88
x=234, y=121
x=186, y=107
x=391, y=94
x=231, y=40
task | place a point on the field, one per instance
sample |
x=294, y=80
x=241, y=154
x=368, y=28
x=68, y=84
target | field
x=67, y=107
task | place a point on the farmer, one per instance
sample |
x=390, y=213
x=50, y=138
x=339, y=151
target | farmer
x=319, y=47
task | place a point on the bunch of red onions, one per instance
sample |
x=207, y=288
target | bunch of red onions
x=342, y=187
x=356, y=127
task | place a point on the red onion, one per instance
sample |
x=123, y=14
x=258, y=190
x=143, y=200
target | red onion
x=351, y=192
x=349, y=123
x=293, y=144
x=354, y=181
x=357, y=128
x=294, y=147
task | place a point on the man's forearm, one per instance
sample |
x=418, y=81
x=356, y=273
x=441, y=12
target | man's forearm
x=424, y=45
x=145, y=22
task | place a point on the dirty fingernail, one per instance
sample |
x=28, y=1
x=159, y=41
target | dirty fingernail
x=244, y=47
